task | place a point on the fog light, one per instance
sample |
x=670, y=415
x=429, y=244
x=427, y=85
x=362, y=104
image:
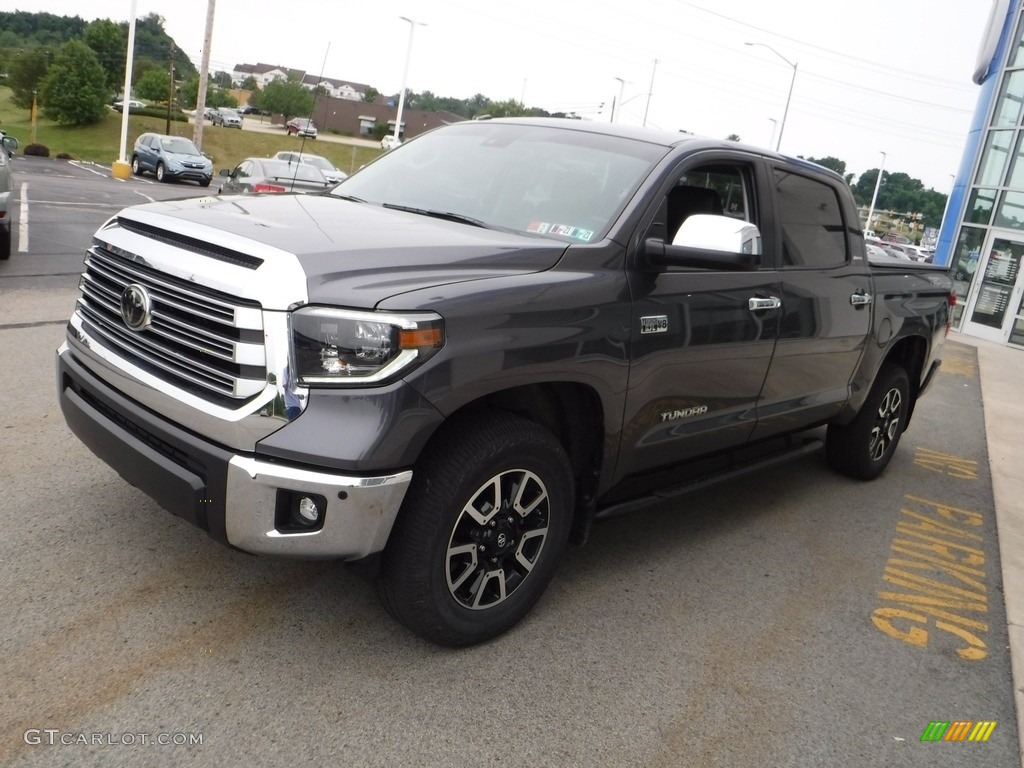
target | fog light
x=309, y=512
x=299, y=511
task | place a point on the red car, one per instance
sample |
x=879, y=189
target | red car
x=301, y=126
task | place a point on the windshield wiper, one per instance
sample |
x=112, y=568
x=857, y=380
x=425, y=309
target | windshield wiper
x=352, y=198
x=445, y=215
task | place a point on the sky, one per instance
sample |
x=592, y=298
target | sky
x=871, y=76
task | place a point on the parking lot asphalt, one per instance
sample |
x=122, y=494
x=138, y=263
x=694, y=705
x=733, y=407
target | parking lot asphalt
x=1001, y=370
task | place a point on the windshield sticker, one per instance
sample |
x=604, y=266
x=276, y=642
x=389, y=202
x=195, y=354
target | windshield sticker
x=576, y=233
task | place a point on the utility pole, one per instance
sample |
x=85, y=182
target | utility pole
x=204, y=75
x=170, y=86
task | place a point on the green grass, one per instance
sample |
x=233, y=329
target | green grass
x=100, y=143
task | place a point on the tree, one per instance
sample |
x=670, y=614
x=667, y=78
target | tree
x=26, y=76
x=223, y=79
x=188, y=94
x=832, y=163
x=109, y=43
x=75, y=89
x=250, y=84
x=287, y=97
x=370, y=95
x=153, y=86
x=733, y=137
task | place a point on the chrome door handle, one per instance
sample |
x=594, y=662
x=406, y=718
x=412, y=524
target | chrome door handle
x=759, y=305
x=860, y=299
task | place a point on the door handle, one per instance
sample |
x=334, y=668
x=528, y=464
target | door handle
x=759, y=304
x=860, y=299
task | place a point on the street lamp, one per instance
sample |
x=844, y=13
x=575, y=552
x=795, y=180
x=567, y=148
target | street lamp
x=874, y=196
x=618, y=104
x=792, y=82
x=405, y=75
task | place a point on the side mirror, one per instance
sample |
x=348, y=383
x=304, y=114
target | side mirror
x=10, y=144
x=719, y=233
x=706, y=241
x=224, y=172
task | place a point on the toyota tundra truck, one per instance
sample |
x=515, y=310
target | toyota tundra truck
x=453, y=363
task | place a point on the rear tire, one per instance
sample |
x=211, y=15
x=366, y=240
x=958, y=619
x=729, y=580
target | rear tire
x=482, y=529
x=5, y=243
x=862, y=449
x=136, y=166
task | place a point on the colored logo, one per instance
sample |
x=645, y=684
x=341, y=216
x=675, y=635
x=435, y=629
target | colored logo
x=958, y=730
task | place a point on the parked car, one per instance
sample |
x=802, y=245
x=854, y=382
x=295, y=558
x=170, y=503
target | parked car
x=251, y=110
x=228, y=118
x=171, y=157
x=119, y=105
x=326, y=166
x=262, y=174
x=301, y=126
x=463, y=356
x=390, y=142
x=6, y=187
x=209, y=113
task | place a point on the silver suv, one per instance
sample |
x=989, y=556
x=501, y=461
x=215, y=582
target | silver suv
x=6, y=187
x=228, y=118
x=171, y=157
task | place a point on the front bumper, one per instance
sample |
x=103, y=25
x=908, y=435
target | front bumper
x=232, y=496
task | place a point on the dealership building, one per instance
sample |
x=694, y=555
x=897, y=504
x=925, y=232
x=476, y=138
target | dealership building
x=982, y=235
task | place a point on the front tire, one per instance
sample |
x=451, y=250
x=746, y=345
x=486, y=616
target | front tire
x=161, y=174
x=862, y=449
x=482, y=529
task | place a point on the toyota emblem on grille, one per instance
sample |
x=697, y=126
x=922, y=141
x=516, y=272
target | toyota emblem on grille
x=136, y=307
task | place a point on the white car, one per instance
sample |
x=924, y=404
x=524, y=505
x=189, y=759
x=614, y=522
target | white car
x=326, y=166
x=120, y=105
x=390, y=142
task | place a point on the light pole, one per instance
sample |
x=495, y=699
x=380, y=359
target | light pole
x=120, y=169
x=874, y=196
x=618, y=103
x=405, y=75
x=775, y=125
x=650, y=92
x=792, y=82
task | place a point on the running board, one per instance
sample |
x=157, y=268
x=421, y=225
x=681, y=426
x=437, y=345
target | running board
x=807, y=447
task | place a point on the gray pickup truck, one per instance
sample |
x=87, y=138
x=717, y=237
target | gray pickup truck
x=457, y=360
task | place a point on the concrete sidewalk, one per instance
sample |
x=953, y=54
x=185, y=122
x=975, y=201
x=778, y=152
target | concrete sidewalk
x=1002, y=383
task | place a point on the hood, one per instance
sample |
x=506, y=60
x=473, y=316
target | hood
x=353, y=254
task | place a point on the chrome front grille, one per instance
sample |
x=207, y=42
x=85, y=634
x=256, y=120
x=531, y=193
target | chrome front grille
x=207, y=341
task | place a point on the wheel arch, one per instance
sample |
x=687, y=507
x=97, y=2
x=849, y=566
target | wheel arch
x=910, y=354
x=571, y=412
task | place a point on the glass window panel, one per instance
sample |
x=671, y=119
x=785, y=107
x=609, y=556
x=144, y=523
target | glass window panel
x=993, y=161
x=965, y=264
x=1015, y=179
x=1018, y=52
x=1008, y=107
x=979, y=207
x=812, y=223
x=1010, y=213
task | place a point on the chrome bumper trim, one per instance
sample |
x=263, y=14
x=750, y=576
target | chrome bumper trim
x=354, y=527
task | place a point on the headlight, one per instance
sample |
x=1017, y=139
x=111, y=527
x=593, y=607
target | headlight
x=340, y=346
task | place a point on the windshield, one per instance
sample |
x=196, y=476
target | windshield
x=179, y=146
x=281, y=169
x=320, y=162
x=568, y=184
